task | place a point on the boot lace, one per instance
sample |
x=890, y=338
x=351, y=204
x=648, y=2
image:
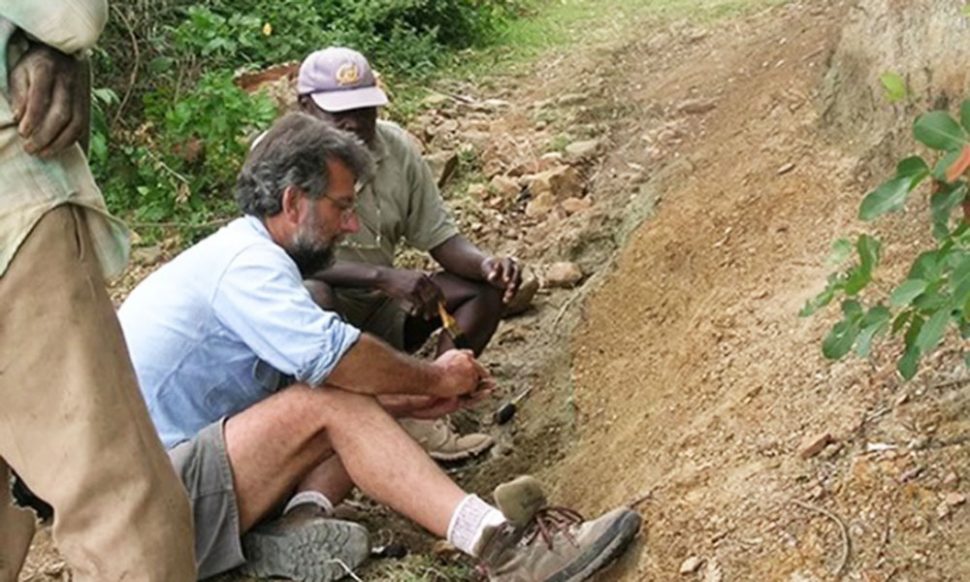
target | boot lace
x=552, y=520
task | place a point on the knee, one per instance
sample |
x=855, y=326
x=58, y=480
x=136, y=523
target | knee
x=490, y=298
x=321, y=293
x=340, y=407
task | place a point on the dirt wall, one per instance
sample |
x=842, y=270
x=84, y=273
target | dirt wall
x=924, y=41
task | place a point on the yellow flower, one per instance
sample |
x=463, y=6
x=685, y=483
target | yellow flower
x=267, y=29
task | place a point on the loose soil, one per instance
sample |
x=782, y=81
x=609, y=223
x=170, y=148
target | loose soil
x=677, y=377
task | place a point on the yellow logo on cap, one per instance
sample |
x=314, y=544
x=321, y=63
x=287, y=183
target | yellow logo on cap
x=348, y=74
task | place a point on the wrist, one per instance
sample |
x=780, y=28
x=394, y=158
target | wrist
x=381, y=277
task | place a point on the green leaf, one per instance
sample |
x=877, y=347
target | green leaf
x=839, y=341
x=912, y=166
x=895, y=87
x=939, y=131
x=932, y=332
x=889, y=196
x=869, y=248
x=909, y=363
x=943, y=164
x=942, y=204
x=965, y=112
x=907, y=291
x=841, y=249
x=901, y=320
x=873, y=324
x=817, y=302
x=926, y=267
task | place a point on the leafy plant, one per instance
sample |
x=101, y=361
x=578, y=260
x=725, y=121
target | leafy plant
x=935, y=295
x=180, y=166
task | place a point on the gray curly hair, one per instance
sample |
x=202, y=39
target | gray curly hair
x=294, y=152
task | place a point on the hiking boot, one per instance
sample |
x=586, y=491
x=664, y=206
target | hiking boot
x=540, y=543
x=306, y=546
x=443, y=443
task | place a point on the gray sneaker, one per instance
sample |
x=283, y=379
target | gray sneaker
x=551, y=544
x=305, y=546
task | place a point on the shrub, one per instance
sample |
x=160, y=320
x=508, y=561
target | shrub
x=935, y=295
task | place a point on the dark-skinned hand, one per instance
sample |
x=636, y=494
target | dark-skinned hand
x=414, y=287
x=503, y=273
x=48, y=96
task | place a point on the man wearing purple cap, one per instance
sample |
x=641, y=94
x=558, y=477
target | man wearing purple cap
x=402, y=201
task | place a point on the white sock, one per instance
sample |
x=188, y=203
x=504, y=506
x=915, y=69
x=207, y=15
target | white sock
x=314, y=497
x=469, y=521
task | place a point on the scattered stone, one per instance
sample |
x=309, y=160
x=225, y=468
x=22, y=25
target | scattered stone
x=540, y=205
x=478, y=140
x=943, y=510
x=581, y=150
x=550, y=160
x=523, y=297
x=448, y=126
x=563, y=274
x=436, y=100
x=951, y=480
x=910, y=474
x=489, y=105
x=919, y=443
x=786, y=168
x=713, y=571
x=813, y=444
x=561, y=182
x=147, y=255
x=954, y=499
x=574, y=205
x=443, y=165
x=504, y=185
x=690, y=565
x=477, y=191
x=571, y=99
x=697, y=106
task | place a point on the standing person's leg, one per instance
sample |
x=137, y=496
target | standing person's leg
x=16, y=530
x=72, y=420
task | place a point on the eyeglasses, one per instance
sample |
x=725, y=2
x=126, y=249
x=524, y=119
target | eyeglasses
x=347, y=213
x=368, y=210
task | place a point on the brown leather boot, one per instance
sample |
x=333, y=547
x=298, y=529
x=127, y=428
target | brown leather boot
x=540, y=543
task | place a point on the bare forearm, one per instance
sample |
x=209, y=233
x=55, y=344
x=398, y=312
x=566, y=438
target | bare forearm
x=459, y=256
x=373, y=367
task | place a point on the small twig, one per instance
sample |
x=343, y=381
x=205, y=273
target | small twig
x=846, y=544
x=951, y=383
x=562, y=310
x=133, y=76
x=640, y=499
x=346, y=568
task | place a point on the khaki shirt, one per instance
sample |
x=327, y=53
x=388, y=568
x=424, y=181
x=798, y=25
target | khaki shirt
x=400, y=203
x=31, y=186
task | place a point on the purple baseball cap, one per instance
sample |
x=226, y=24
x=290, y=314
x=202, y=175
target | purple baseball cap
x=339, y=79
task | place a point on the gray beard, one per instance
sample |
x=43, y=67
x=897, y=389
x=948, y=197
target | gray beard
x=311, y=261
x=310, y=256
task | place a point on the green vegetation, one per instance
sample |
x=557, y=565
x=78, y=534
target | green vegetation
x=935, y=295
x=170, y=126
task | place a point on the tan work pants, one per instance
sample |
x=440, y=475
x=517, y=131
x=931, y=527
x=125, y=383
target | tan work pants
x=73, y=423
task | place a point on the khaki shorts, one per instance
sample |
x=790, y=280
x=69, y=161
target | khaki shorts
x=380, y=316
x=203, y=465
